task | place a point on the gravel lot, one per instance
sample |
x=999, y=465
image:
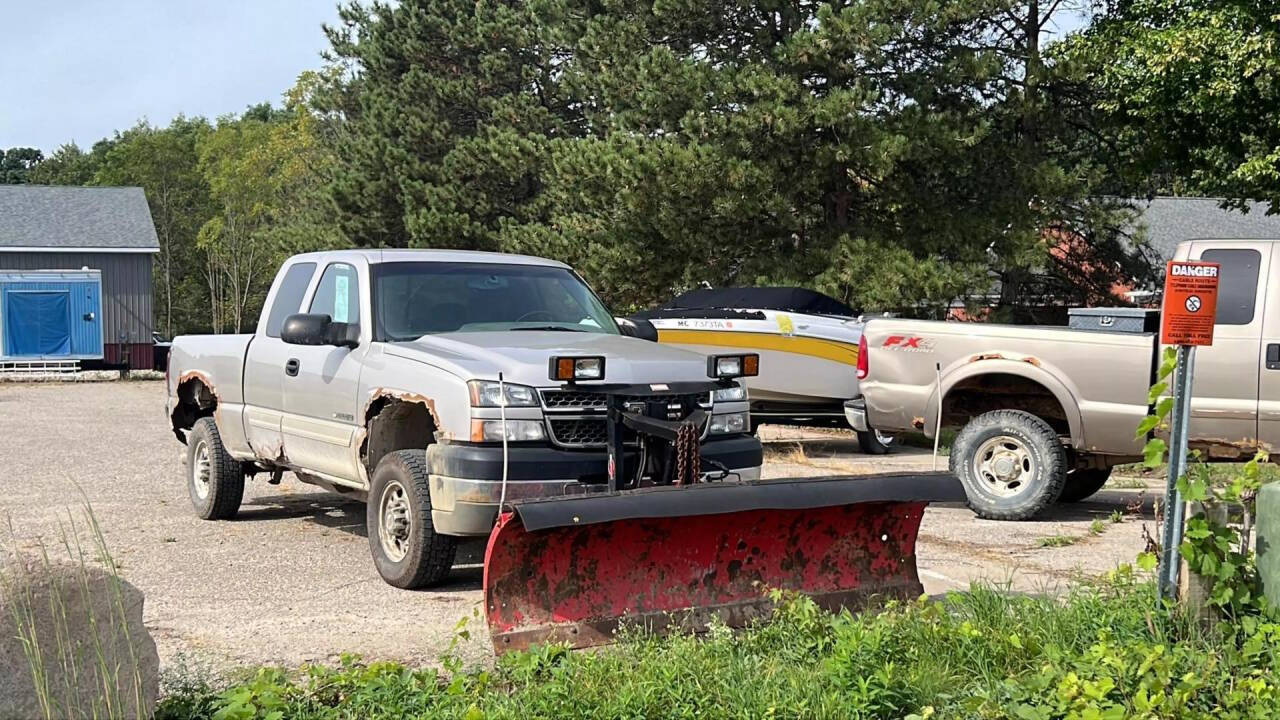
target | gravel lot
x=291, y=581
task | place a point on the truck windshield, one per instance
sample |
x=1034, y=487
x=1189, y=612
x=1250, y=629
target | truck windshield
x=413, y=299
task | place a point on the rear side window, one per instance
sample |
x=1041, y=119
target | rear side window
x=289, y=297
x=338, y=294
x=1238, y=284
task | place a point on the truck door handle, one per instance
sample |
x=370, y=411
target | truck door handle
x=291, y=367
x=1273, y=356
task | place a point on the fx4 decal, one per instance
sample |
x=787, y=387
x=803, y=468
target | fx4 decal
x=908, y=343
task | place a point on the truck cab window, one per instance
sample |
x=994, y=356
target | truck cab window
x=1238, y=285
x=338, y=294
x=289, y=297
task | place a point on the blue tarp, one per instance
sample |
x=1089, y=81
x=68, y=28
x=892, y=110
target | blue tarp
x=37, y=323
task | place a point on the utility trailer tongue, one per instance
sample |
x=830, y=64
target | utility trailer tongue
x=663, y=548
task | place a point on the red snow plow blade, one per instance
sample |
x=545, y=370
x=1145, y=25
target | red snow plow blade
x=575, y=569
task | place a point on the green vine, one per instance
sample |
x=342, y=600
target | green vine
x=1214, y=546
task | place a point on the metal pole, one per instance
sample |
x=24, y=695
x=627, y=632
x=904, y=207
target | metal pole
x=1174, y=507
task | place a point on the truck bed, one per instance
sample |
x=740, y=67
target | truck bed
x=1099, y=379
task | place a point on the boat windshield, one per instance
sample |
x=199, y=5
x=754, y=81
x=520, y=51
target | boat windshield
x=412, y=299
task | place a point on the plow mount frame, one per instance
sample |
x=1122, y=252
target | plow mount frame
x=664, y=558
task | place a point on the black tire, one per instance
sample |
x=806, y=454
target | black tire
x=426, y=556
x=215, y=480
x=1083, y=483
x=873, y=444
x=1032, y=459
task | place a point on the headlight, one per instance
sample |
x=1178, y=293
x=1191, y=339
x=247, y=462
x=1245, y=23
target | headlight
x=485, y=393
x=731, y=366
x=569, y=369
x=517, y=431
x=737, y=393
x=728, y=424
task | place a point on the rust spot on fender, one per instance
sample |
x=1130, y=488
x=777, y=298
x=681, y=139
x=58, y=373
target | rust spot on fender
x=403, y=396
x=1223, y=448
x=986, y=356
x=1032, y=361
x=917, y=423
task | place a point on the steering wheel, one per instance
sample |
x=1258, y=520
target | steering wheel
x=531, y=313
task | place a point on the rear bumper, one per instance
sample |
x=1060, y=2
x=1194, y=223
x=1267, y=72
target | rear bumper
x=466, y=480
x=855, y=411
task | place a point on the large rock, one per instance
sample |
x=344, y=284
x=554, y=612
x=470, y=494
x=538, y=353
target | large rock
x=72, y=643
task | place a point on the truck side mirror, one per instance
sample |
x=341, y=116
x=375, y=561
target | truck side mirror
x=319, y=329
x=637, y=328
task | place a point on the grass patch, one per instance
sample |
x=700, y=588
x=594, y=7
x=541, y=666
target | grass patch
x=1056, y=541
x=1100, y=652
x=1097, y=527
x=1116, y=517
x=946, y=440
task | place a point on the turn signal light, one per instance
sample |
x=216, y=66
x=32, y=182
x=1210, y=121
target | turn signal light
x=732, y=366
x=569, y=369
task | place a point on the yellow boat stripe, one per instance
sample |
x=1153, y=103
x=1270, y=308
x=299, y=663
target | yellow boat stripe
x=816, y=347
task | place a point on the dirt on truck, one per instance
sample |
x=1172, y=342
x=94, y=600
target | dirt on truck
x=1044, y=413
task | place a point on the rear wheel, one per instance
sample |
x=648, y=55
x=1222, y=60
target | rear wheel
x=1011, y=463
x=215, y=480
x=407, y=550
x=874, y=442
x=1083, y=483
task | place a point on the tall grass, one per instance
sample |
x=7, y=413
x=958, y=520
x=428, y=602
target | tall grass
x=1102, y=651
x=50, y=591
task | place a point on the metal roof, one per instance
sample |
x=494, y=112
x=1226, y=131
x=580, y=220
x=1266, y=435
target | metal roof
x=47, y=218
x=1171, y=220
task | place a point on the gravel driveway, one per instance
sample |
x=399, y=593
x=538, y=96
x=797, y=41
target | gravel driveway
x=291, y=580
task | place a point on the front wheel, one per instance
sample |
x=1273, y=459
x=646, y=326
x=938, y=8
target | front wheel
x=874, y=442
x=407, y=550
x=1011, y=463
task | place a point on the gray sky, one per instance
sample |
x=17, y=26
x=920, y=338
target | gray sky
x=81, y=69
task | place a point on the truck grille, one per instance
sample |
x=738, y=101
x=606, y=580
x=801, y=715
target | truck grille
x=579, y=432
x=575, y=418
x=594, y=401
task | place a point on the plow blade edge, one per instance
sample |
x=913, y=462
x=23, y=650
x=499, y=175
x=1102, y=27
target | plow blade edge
x=575, y=569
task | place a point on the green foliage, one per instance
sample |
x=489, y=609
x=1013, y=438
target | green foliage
x=16, y=164
x=1095, y=653
x=1213, y=548
x=1187, y=91
x=1056, y=541
x=893, y=154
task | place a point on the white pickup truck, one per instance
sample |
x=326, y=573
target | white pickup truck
x=382, y=374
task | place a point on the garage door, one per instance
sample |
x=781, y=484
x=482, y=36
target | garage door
x=37, y=323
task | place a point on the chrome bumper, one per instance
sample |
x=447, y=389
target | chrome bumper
x=855, y=412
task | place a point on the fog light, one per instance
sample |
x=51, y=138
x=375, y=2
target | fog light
x=517, y=431
x=729, y=423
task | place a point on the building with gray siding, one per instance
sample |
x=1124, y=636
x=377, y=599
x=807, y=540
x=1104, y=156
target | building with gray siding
x=108, y=229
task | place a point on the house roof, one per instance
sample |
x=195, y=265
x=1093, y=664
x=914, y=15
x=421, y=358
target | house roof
x=45, y=218
x=1171, y=220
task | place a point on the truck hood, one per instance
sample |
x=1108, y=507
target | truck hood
x=523, y=356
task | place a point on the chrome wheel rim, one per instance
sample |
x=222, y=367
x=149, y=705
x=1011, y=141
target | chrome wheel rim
x=1004, y=466
x=200, y=470
x=396, y=525
x=883, y=438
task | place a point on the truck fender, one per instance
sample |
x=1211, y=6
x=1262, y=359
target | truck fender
x=996, y=363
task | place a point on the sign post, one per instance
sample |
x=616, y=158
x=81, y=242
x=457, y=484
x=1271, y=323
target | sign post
x=1187, y=319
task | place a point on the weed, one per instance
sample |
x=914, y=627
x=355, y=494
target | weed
x=1116, y=517
x=1056, y=541
x=1097, y=527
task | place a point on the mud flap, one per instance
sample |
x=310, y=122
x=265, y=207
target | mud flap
x=673, y=558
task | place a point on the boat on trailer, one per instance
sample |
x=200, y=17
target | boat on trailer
x=807, y=342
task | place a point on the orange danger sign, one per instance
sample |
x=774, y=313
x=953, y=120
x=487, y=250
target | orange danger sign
x=1190, y=303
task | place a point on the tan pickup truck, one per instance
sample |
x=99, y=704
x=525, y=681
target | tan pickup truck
x=1043, y=413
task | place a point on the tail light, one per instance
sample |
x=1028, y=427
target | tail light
x=863, y=360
